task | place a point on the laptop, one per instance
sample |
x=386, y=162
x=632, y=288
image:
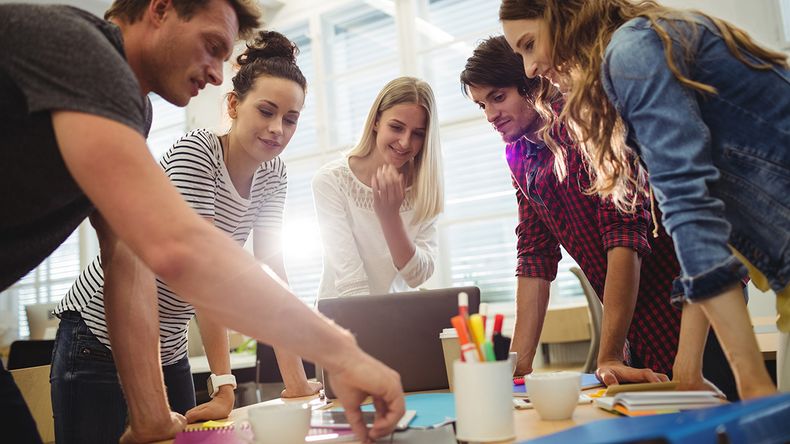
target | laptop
x=42, y=321
x=402, y=331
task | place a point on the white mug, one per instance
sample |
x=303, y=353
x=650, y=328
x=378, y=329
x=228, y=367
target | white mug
x=483, y=401
x=554, y=395
x=280, y=423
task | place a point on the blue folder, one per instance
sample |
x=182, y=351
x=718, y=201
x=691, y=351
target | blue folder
x=433, y=409
x=763, y=420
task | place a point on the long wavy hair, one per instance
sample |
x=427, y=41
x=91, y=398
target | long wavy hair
x=428, y=182
x=580, y=31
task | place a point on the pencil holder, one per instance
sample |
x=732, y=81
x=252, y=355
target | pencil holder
x=483, y=401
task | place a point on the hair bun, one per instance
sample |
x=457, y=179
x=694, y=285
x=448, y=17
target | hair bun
x=268, y=45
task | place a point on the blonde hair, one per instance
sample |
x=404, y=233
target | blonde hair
x=428, y=184
x=581, y=31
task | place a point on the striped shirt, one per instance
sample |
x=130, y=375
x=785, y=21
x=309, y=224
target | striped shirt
x=195, y=166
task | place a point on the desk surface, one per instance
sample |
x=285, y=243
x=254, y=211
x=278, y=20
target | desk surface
x=527, y=423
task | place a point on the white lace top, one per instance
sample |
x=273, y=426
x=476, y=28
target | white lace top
x=357, y=260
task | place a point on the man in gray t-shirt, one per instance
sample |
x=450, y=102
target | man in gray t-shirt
x=57, y=58
x=45, y=65
x=74, y=115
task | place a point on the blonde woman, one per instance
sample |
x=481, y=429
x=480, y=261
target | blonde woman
x=708, y=112
x=378, y=205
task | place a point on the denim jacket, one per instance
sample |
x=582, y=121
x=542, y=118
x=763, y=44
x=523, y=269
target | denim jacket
x=719, y=164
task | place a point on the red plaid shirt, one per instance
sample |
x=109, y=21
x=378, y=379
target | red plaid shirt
x=553, y=214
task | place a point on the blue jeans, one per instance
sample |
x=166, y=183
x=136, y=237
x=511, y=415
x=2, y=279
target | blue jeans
x=87, y=401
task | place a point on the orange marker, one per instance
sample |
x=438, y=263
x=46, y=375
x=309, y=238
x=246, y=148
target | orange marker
x=468, y=350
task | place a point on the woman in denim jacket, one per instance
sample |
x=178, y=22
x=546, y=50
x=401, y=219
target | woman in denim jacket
x=707, y=111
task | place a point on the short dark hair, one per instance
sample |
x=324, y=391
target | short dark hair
x=493, y=63
x=248, y=13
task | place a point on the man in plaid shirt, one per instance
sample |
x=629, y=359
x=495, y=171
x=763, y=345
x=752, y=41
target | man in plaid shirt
x=630, y=271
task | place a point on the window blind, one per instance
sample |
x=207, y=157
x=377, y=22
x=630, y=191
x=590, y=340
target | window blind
x=359, y=53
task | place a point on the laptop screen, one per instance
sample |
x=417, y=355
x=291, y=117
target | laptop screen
x=402, y=330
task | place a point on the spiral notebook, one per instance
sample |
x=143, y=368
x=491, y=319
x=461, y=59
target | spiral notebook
x=220, y=435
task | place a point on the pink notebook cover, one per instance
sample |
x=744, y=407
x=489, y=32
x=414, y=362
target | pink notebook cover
x=224, y=435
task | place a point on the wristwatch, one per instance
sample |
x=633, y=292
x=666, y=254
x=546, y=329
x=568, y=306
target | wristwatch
x=214, y=382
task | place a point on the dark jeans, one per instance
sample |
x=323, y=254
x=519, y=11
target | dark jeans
x=16, y=423
x=87, y=401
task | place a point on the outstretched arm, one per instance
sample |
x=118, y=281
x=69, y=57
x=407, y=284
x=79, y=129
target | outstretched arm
x=112, y=166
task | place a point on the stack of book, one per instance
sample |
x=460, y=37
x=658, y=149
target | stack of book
x=655, y=402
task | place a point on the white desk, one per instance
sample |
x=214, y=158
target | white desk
x=238, y=361
x=528, y=424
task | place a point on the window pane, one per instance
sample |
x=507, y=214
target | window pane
x=48, y=282
x=353, y=97
x=301, y=239
x=361, y=35
x=477, y=178
x=305, y=140
x=168, y=125
x=483, y=254
x=460, y=19
x=448, y=32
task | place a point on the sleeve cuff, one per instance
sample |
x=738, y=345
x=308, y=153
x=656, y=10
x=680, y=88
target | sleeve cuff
x=629, y=239
x=708, y=284
x=413, y=273
x=536, y=268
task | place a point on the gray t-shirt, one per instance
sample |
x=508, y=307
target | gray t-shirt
x=52, y=58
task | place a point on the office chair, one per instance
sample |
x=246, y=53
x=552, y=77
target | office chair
x=596, y=316
x=24, y=354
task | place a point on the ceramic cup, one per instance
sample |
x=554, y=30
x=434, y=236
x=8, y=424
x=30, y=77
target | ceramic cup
x=483, y=401
x=554, y=395
x=280, y=423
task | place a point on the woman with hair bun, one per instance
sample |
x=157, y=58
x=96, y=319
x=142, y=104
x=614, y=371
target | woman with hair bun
x=238, y=183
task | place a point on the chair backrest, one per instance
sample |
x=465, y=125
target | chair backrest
x=596, y=316
x=23, y=354
x=33, y=384
x=402, y=331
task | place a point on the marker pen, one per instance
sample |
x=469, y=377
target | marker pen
x=478, y=336
x=468, y=351
x=501, y=343
x=483, y=310
x=463, y=305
